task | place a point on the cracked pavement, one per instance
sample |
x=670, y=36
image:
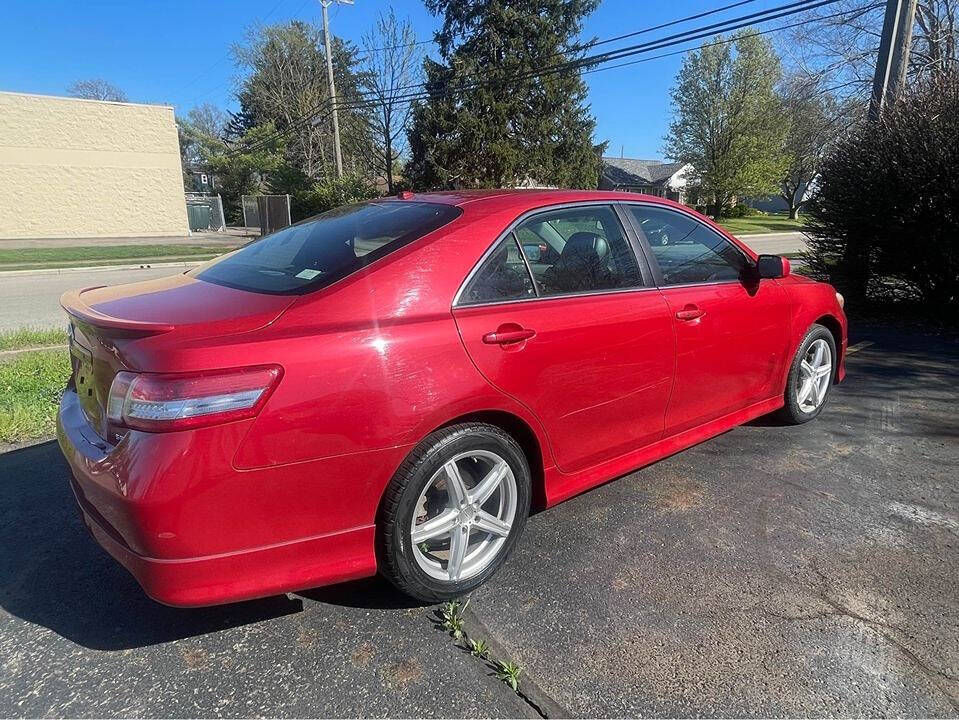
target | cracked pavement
x=772, y=571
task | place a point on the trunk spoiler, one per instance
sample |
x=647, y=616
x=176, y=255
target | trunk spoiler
x=72, y=303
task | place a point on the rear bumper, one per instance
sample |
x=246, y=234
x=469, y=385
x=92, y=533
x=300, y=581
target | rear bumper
x=243, y=575
x=195, y=531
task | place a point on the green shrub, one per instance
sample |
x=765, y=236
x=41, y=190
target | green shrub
x=328, y=194
x=884, y=220
x=741, y=211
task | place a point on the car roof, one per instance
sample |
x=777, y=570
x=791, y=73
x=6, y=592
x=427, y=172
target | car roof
x=521, y=200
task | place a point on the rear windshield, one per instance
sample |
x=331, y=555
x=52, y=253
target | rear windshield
x=319, y=251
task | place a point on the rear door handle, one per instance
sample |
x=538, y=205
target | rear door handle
x=505, y=337
x=690, y=312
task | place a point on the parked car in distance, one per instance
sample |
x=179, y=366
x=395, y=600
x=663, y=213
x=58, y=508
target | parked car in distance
x=390, y=386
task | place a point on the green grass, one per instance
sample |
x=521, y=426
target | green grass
x=31, y=337
x=761, y=224
x=78, y=256
x=30, y=387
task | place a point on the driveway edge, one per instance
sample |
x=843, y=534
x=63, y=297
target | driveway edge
x=529, y=690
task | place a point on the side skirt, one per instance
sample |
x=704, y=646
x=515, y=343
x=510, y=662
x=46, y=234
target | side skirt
x=560, y=486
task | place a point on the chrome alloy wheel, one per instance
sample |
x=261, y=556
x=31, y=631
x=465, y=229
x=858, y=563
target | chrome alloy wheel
x=815, y=374
x=464, y=515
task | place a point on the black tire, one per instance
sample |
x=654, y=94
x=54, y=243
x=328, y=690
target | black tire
x=394, y=544
x=791, y=412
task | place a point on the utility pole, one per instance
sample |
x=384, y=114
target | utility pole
x=329, y=76
x=893, y=60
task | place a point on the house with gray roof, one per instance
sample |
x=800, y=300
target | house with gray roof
x=652, y=177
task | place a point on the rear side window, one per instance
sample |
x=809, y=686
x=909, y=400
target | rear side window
x=581, y=249
x=317, y=252
x=503, y=276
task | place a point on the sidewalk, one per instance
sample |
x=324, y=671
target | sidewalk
x=231, y=236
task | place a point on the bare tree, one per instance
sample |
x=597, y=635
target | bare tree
x=839, y=44
x=393, y=63
x=815, y=119
x=208, y=119
x=96, y=89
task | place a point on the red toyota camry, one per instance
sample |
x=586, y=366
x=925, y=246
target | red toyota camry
x=391, y=385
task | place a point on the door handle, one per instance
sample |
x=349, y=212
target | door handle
x=505, y=337
x=690, y=312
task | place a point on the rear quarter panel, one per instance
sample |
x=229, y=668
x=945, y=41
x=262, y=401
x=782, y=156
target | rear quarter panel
x=375, y=361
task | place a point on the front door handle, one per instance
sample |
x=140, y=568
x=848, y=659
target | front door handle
x=505, y=337
x=690, y=312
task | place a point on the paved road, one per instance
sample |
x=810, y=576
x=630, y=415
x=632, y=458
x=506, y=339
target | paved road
x=33, y=300
x=776, y=243
x=773, y=571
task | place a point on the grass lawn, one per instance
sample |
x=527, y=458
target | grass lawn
x=761, y=224
x=78, y=256
x=30, y=387
x=31, y=337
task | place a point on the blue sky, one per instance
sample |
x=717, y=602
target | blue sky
x=177, y=53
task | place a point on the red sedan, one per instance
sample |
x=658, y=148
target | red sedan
x=391, y=385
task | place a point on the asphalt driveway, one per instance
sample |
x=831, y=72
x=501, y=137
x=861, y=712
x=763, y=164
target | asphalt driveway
x=770, y=571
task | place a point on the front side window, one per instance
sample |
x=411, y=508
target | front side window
x=317, y=252
x=502, y=276
x=686, y=250
x=581, y=249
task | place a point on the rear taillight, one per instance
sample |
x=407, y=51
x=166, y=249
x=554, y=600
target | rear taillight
x=162, y=402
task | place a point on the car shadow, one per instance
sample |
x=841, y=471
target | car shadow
x=54, y=575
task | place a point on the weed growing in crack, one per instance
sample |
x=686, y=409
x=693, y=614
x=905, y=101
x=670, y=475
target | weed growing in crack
x=508, y=672
x=479, y=648
x=451, y=614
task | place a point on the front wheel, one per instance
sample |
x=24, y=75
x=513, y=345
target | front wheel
x=453, y=511
x=810, y=376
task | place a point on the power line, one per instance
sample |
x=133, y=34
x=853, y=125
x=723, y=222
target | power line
x=227, y=55
x=668, y=41
x=577, y=64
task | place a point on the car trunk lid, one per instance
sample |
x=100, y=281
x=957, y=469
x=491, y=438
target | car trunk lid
x=107, y=323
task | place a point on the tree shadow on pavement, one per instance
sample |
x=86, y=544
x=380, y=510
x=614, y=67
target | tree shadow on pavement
x=53, y=574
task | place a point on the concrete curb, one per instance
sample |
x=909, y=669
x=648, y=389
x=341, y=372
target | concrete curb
x=788, y=233
x=94, y=268
x=38, y=348
x=529, y=690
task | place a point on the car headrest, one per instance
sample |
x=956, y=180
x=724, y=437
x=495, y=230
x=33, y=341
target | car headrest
x=586, y=245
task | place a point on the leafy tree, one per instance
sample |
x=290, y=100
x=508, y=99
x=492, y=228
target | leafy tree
x=287, y=86
x=884, y=217
x=488, y=121
x=96, y=89
x=244, y=168
x=328, y=194
x=813, y=119
x=728, y=122
x=391, y=68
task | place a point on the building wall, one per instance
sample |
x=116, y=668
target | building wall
x=85, y=168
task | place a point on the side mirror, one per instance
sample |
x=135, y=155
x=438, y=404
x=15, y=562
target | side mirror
x=772, y=266
x=533, y=252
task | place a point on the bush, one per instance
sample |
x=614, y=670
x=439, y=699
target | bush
x=741, y=211
x=884, y=223
x=328, y=194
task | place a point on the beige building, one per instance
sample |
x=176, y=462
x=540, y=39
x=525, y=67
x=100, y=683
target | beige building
x=84, y=168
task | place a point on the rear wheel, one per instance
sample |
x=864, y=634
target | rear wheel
x=453, y=511
x=810, y=376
